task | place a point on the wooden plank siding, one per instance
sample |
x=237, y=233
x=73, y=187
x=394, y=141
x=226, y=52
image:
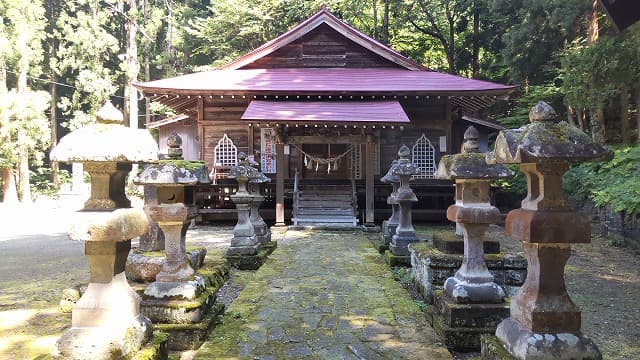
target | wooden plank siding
x=321, y=47
x=188, y=131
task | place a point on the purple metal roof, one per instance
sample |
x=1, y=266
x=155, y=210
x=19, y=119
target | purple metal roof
x=319, y=80
x=387, y=111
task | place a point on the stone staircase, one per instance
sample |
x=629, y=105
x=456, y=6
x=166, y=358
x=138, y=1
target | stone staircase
x=325, y=206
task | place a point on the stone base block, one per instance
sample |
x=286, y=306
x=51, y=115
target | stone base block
x=191, y=336
x=397, y=260
x=184, y=290
x=465, y=292
x=400, y=243
x=432, y=267
x=370, y=228
x=522, y=343
x=243, y=250
x=264, y=238
x=178, y=311
x=251, y=262
x=461, y=325
x=143, y=266
x=456, y=246
x=469, y=315
x=101, y=343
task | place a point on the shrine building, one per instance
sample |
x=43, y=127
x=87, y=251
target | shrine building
x=324, y=109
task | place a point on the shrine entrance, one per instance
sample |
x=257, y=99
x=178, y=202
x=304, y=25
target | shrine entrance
x=315, y=168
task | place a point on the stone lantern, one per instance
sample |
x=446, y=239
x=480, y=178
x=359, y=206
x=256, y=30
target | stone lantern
x=405, y=234
x=259, y=226
x=472, y=303
x=389, y=226
x=472, y=283
x=544, y=322
x=107, y=319
x=244, y=243
x=107, y=149
x=170, y=181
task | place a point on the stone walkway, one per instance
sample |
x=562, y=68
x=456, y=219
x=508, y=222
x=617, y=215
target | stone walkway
x=323, y=295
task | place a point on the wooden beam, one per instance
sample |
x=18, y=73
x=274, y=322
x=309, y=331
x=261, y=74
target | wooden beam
x=449, y=122
x=250, y=132
x=369, y=168
x=225, y=108
x=280, y=169
x=317, y=139
x=200, y=139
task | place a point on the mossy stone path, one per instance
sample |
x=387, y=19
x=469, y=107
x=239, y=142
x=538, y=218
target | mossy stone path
x=323, y=295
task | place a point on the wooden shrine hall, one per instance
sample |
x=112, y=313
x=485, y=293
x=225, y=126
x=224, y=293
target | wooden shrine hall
x=324, y=109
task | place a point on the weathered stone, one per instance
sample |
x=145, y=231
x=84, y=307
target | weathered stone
x=143, y=266
x=453, y=245
x=107, y=149
x=472, y=283
x=172, y=218
x=430, y=268
x=106, y=320
x=405, y=234
x=189, y=321
x=544, y=322
x=244, y=241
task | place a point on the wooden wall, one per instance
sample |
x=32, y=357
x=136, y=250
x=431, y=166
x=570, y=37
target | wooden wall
x=222, y=116
x=188, y=131
x=321, y=47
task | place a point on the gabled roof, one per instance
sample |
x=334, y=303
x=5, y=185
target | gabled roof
x=324, y=17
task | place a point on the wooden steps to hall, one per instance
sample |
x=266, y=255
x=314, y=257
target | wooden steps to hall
x=325, y=206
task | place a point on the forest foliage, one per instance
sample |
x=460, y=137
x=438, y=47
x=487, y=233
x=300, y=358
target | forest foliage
x=61, y=60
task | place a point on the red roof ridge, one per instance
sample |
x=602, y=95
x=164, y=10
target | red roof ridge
x=324, y=16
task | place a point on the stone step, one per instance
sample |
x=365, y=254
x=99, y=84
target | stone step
x=325, y=219
x=328, y=212
x=323, y=204
x=345, y=197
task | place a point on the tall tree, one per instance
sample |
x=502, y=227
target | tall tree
x=24, y=119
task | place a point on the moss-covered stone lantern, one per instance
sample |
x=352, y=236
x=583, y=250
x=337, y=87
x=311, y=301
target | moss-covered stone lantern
x=405, y=234
x=544, y=322
x=106, y=149
x=244, y=244
x=389, y=225
x=472, y=283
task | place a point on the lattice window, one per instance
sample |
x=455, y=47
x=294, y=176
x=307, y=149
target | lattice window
x=225, y=155
x=423, y=156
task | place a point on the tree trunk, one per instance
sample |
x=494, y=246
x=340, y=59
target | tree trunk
x=451, y=53
x=593, y=30
x=580, y=118
x=130, y=92
x=10, y=196
x=596, y=122
x=571, y=116
x=625, y=129
x=53, y=123
x=52, y=15
x=638, y=116
x=475, y=56
x=24, y=183
x=385, y=23
x=147, y=71
x=374, y=10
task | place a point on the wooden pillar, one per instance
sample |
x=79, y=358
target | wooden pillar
x=199, y=123
x=369, y=168
x=280, y=172
x=449, y=126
